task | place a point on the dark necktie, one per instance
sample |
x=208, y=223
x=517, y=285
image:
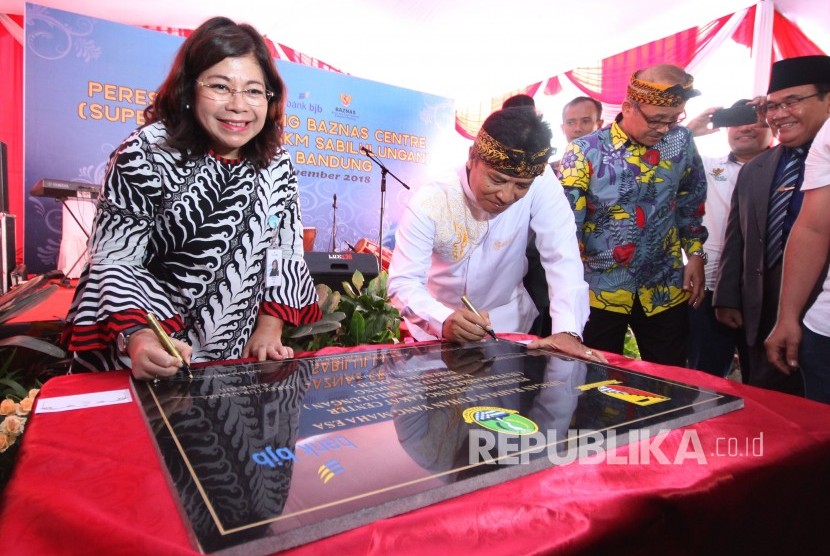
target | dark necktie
x=779, y=203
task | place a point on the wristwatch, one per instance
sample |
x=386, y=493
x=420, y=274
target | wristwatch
x=702, y=254
x=574, y=334
x=122, y=341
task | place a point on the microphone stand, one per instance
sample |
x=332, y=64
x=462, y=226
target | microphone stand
x=333, y=224
x=383, y=171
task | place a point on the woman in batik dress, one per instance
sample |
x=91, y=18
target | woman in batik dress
x=198, y=205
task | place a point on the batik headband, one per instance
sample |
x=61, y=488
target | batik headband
x=661, y=94
x=513, y=162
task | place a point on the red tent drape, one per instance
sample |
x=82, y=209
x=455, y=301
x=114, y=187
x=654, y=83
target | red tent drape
x=790, y=40
x=608, y=82
x=11, y=124
x=468, y=123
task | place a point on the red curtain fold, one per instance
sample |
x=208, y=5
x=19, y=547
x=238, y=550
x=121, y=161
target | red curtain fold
x=608, y=81
x=790, y=40
x=746, y=29
x=468, y=122
x=11, y=125
x=553, y=86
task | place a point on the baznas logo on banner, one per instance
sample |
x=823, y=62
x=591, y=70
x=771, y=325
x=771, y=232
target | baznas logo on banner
x=615, y=389
x=500, y=420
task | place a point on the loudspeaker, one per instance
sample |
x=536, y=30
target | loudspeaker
x=333, y=269
x=4, y=178
x=8, y=259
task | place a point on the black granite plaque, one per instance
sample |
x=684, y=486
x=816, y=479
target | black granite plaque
x=265, y=456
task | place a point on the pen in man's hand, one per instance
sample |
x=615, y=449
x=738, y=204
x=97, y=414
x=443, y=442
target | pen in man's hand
x=469, y=304
x=166, y=343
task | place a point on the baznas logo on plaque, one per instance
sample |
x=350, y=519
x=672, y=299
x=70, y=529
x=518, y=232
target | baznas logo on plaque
x=499, y=419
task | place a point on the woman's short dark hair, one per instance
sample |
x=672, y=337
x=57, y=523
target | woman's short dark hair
x=519, y=128
x=213, y=41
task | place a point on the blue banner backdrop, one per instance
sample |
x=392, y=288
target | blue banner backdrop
x=88, y=80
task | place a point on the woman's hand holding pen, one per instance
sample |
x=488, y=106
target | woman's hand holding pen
x=150, y=359
x=463, y=325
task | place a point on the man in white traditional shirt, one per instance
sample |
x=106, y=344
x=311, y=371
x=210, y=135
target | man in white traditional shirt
x=468, y=235
x=711, y=344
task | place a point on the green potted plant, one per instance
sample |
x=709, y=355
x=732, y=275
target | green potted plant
x=354, y=317
x=24, y=361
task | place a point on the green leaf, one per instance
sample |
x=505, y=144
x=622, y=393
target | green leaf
x=321, y=327
x=14, y=388
x=358, y=328
x=34, y=344
x=323, y=292
x=333, y=302
x=299, y=332
x=375, y=326
x=337, y=316
x=350, y=291
x=358, y=280
x=374, y=287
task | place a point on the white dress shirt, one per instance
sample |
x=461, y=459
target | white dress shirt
x=721, y=176
x=816, y=175
x=446, y=246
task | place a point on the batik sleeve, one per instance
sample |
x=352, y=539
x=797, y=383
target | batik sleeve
x=116, y=289
x=295, y=299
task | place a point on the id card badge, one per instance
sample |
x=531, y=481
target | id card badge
x=273, y=263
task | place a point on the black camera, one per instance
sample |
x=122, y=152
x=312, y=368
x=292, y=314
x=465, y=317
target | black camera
x=735, y=116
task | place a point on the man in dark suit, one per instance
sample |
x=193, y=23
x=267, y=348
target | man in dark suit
x=764, y=206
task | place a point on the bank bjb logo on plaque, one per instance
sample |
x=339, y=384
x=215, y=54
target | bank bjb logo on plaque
x=499, y=419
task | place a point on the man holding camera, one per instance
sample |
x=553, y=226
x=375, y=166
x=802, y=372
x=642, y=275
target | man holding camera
x=764, y=207
x=711, y=343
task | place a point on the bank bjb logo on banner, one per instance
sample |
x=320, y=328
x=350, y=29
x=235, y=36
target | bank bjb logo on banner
x=500, y=420
x=616, y=389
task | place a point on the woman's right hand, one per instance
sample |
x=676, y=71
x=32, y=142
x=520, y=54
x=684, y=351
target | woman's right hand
x=149, y=358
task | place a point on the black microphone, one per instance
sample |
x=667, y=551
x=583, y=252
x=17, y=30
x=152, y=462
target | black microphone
x=334, y=204
x=366, y=150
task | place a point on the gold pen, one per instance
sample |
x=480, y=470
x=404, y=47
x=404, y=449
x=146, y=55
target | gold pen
x=469, y=304
x=166, y=343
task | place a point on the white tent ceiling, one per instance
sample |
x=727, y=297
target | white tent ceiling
x=462, y=49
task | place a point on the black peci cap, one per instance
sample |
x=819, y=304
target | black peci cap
x=804, y=70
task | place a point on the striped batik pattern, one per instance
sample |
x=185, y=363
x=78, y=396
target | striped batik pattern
x=188, y=241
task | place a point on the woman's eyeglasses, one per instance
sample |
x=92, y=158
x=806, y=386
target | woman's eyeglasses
x=220, y=91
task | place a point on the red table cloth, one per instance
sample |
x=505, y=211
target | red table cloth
x=90, y=482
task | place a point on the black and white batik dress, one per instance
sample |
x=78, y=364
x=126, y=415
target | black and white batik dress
x=188, y=243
